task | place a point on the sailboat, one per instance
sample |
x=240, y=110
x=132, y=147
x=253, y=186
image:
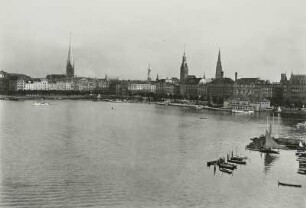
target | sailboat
x=269, y=143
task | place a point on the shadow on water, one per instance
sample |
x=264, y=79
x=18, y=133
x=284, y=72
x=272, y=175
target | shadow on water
x=269, y=161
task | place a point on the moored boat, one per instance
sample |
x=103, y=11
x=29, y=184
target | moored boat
x=40, y=103
x=237, y=162
x=224, y=170
x=289, y=184
x=301, y=159
x=228, y=166
x=212, y=162
x=236, y=158
x=301, y=171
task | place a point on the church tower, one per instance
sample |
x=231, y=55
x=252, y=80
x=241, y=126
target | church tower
x=184, y=69
x=149, y=73
x=219, y=72
x=70, y=63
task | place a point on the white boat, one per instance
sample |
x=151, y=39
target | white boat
x=242, y=111
x=198, y=107
x=40, y=103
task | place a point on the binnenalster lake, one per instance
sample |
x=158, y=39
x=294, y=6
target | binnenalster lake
x=84, y=154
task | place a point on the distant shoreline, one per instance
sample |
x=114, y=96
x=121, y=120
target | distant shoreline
x=46, y=97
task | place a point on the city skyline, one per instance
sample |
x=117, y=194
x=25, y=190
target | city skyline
x=122, y=41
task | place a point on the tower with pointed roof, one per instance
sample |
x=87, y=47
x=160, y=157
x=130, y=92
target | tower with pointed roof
x=149, y=72
x=70, y=62
x=219, y=72
x=184, y=69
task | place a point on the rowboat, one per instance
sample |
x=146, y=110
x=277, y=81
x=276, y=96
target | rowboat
x=228, y=166
x=226, y=170
x=301, y=159
x=236, y=158
x=289, y=184
x=212, y=162
x=237, y=162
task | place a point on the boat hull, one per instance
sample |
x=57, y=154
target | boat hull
x=289, y=184
x=269, y=151
x=226, y=171
x=228, y=166
x=237, y=162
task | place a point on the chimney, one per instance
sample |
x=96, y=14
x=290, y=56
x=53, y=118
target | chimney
x=236, y=76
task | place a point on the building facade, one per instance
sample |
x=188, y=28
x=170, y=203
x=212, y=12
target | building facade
x=135, y=87
x=189, y=88
x=220, y=90
x=253, y=87
x=294, y=90
x=167, y=87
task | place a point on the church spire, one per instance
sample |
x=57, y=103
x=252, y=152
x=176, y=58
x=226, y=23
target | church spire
x=219, y=72
x=184, y=67
x=149, y=72
x=70, y=58
x=70, y=62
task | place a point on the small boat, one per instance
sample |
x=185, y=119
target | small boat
x=226, y=170
x=245, y=111
x=269, y=151
x=212, y=162
x=301, y=171
x=289, y=184
x=237, y=162
x=236, y=158
x=228, y=166
x=301, y=159
x=40, y=103
x=300, y=154
x=199, y=107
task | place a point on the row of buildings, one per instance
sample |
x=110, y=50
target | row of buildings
x=217, y=90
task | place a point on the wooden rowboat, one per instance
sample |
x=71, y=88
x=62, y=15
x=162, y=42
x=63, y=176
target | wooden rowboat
x=237, y=162
x=289, y=184
x=226, y=170
x=228, y=166
x=212, y=162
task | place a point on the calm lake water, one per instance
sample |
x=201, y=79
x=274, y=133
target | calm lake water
x=83, y=154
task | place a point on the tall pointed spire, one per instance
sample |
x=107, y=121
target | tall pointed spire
x=70, y=62
x=149, y=72
x=70, y=57
x=219, y=72
x=184, y=55
x=184, y=67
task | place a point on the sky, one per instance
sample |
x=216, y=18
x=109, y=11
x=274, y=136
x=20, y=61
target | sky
x=261, y=38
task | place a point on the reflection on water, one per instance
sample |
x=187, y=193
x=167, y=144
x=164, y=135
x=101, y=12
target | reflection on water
x=269, y=160
x=83, y=154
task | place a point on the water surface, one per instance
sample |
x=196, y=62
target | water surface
x=84, y=154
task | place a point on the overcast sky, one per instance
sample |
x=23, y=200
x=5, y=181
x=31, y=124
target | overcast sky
x=257, y=38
